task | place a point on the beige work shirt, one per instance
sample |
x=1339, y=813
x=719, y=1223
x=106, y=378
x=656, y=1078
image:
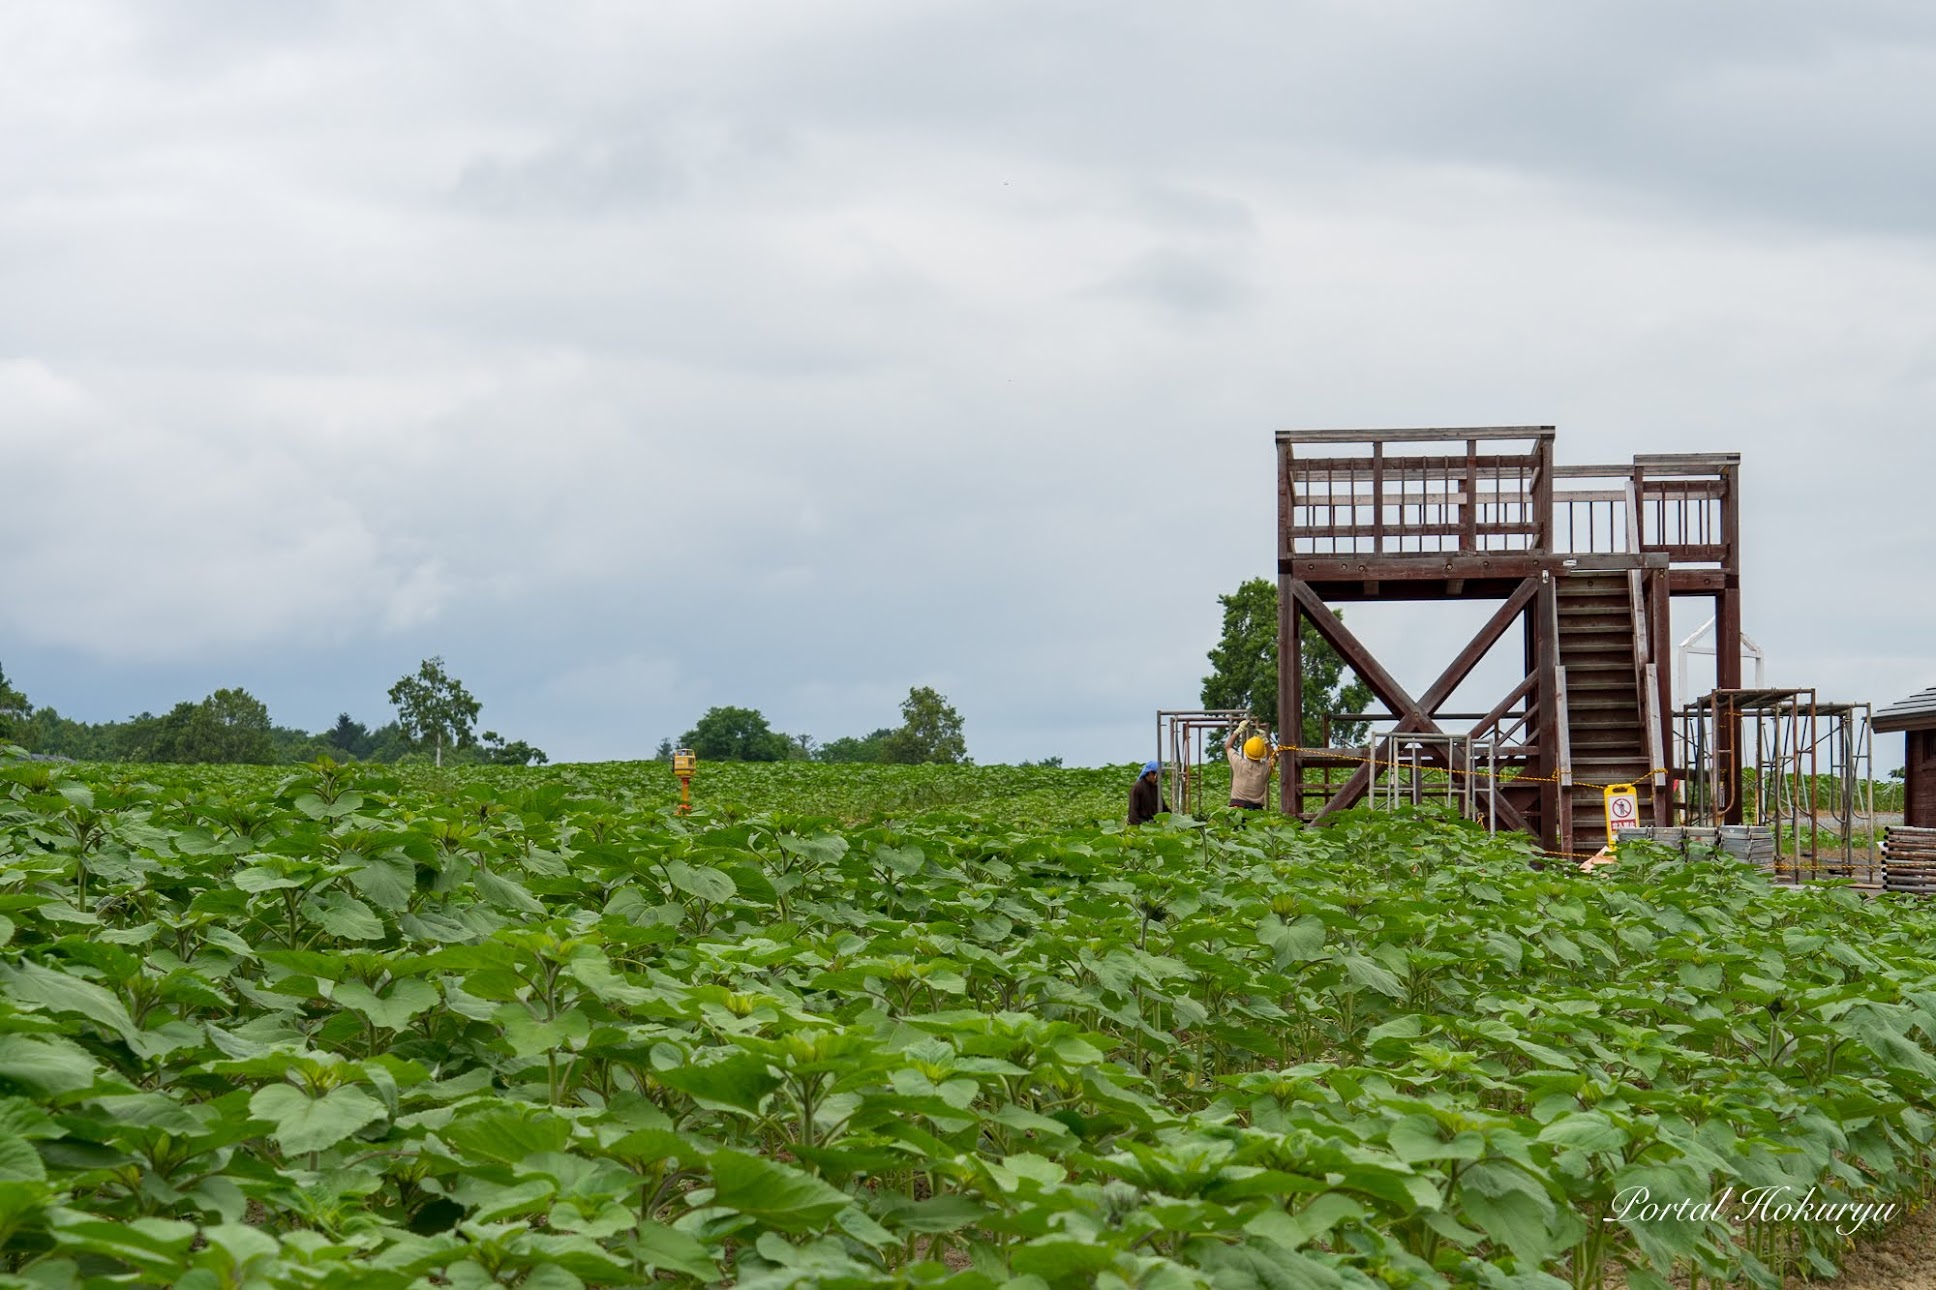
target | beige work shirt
x=1247, y=778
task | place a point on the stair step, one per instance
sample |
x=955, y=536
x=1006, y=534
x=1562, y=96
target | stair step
x=1602, y=698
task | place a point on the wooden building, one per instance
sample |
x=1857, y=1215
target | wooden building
x=1915, y=716
x=1581, y=560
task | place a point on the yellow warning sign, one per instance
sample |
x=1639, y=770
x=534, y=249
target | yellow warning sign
x=1623, y=809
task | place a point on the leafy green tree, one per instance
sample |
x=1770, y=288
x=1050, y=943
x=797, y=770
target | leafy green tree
x=930, y=731
x=854, y=749
x=514, y=753
x=434, y=708
x=736, y=734
x=1244, y=666
x=227, y=726
x=296, y=747
x=16, y=713
x=49, y=732
x=388, y=743
x=349, y=738
x=665, y=751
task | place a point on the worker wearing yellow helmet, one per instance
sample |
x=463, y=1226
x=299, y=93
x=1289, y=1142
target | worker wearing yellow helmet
x=1250, y=767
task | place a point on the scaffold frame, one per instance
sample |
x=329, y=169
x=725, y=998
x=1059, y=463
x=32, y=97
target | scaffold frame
x=1806, y=770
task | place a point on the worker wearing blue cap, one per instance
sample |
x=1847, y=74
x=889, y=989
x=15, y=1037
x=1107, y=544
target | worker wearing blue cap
x=1146, y=798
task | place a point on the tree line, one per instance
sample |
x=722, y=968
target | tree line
x=436, y=717
x=930, y=732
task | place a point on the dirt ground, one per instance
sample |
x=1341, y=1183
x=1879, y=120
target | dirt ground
x=1903, y=1258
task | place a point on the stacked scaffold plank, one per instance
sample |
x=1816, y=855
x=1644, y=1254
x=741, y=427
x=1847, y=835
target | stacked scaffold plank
x=1752, y=843
x=1909, y=860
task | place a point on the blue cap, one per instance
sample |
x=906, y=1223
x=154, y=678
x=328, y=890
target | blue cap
x=1149, y=766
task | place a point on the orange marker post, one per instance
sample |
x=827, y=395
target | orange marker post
x=684, y=762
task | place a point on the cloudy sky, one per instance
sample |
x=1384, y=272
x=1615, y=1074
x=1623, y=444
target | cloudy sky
x=640, y=358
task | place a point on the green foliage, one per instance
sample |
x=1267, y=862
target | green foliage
x=1244, y=667
x=192, y=732
x=227, y=726
x=15, y=712
x=736, y=734
x=849, y=749
x=434, y=708
x=516, y=752
x=350, y=738
x=290, y=746
x=360, y=1026
x=930, y=731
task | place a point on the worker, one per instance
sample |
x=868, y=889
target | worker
x=1249, y=769
x=1146, y=798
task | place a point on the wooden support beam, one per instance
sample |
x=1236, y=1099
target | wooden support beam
x=1695, y=582
x=1414, y=716
x=1543, y=497
x=1352, y=650
x=1290, y=698
x=1377, y=502
x=1505, y=705
x=1546, y=732
x=1436, y=566
x=1469, y=508
x=1662, y=653
x=1727, y=638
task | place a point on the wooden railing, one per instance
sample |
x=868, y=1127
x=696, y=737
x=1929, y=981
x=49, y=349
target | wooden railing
x=1390, y=493
x=1677, y=505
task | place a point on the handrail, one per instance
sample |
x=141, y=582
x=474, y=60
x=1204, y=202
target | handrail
x=1658, y=754
x=1439, y=434
x=1565, y=737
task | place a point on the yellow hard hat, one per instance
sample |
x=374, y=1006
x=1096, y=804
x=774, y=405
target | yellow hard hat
x=1255, y=747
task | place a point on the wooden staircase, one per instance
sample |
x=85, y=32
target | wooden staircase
x=1605, y=724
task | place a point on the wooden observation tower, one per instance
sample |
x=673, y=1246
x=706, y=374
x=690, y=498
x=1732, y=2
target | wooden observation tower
x=1583, y=559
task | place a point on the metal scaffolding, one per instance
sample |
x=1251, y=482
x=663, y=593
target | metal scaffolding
x=1183, y=741
x=1807, y=772
x=1469, y=771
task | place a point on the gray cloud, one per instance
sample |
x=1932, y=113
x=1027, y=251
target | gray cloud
x=638, y=360
x=1184, y=284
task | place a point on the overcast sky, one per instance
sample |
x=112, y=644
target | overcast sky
x=640, y=358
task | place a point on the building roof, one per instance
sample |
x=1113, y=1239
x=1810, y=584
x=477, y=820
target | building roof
x=1917, y=712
